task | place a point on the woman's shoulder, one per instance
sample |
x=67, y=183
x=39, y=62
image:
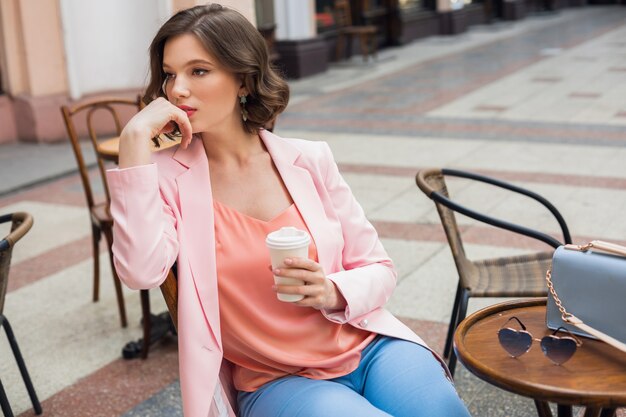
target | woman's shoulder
x=308, y=149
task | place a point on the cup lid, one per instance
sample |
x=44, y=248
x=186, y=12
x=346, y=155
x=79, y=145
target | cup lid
x=287, y=237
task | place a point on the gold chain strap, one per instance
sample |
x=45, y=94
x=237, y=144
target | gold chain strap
x=564, y=314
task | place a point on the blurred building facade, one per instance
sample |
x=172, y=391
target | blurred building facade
x=57, y=51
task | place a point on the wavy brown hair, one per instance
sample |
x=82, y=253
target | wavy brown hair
x=237, y=46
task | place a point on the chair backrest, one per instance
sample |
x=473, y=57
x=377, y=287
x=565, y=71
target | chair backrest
x=432, y=183
x=342, y=13
x=20, y=225
x=89, y=109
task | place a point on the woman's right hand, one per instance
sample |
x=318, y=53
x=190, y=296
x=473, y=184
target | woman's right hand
x=157, y=117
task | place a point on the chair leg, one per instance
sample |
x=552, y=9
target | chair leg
x=460, y=318
x=452, y=326
x=339, y=49
x=374, y=47
x=4, y=403
x=95, y=242
x=364, y=47
x=116, y=280
x=22, y=367
x=146, y=321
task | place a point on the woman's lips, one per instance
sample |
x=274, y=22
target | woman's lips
x=188, y=110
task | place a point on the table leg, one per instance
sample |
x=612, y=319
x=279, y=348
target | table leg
x=564, y=410
x=543, y=409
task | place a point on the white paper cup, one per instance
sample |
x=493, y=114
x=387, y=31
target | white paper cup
x=288, y=242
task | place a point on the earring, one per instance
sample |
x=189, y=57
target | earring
x=242, y=102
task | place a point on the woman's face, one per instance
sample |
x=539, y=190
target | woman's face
x=196, y=83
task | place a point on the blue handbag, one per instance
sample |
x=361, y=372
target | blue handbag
x=587, y=286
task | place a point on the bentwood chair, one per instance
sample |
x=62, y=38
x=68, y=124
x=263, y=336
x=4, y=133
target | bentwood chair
x=511, y=276
x=346, y=30
x=20, y=225
x=94, y=114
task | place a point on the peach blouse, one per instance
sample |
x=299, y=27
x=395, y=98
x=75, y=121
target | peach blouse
x=263, y=337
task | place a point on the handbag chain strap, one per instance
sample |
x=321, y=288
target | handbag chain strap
x=569, y=317
x=600, y=245
x=564, y=314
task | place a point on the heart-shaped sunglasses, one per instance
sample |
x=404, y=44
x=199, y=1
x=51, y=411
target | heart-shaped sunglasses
x=559, y=349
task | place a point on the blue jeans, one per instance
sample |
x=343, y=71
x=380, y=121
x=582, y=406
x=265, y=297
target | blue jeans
x=394, y=378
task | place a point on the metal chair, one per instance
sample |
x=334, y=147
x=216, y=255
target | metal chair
x=20, y=225
x=101, y=220
x=511, y=276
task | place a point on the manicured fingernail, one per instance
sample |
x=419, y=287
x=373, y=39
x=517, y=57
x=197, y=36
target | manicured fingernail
x=277, y=271
x=288, y=261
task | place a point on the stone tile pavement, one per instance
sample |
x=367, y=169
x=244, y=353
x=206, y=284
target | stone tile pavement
x=538, y=102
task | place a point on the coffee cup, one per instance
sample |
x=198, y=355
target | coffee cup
x=287, y=242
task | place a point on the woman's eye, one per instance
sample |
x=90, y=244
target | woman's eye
x=169, y=76
x=199, y=71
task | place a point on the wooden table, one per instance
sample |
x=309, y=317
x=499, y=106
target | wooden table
x=595, y=377
x=108, y=149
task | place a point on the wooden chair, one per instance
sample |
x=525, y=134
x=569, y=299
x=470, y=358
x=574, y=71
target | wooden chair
x=101, y=220
x=512, y=276
x=20, y=225
x=169, y=289
x=346, y=30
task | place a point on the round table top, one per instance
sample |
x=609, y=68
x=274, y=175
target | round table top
x=109, y=148
x=594, y=376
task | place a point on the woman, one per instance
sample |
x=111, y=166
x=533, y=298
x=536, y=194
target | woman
x=208, y=205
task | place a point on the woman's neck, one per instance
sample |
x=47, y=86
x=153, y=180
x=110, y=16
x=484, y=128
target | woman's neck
x=232, y=147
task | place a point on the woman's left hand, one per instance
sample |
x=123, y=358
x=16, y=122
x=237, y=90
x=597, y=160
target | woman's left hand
x=319, y=292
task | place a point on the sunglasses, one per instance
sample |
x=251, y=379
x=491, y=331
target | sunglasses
x=559, y=349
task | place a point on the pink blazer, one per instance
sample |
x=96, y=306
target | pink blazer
x=163, y=212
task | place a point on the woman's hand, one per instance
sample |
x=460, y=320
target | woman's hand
x=157, y=117
x=319, y=292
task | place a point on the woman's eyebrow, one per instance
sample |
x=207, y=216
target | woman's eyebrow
x=192, y=62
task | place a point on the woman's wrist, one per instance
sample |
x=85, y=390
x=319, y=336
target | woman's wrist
x=134, y=149
x=337, y=301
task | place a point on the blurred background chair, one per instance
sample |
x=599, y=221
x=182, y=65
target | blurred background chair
x=346, y=30
x=101, y=220
x=511, y=276
x=20, y=225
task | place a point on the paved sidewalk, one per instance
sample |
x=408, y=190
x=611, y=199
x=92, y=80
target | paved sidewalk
x=539, y=103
